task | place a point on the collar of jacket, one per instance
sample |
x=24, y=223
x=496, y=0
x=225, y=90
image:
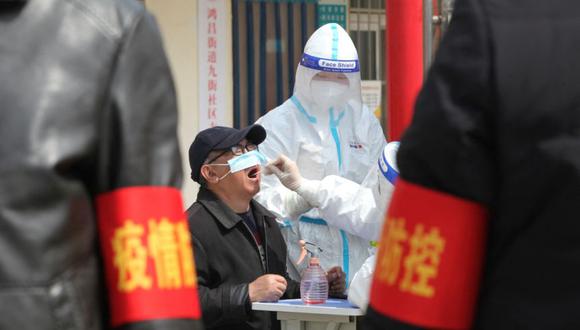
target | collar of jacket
x=225, y=215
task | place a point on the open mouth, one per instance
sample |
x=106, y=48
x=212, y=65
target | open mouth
x=253, y=173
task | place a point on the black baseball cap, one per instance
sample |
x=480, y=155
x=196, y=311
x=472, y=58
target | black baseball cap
x=217, y=138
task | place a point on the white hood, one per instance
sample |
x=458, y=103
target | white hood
x=329, y=49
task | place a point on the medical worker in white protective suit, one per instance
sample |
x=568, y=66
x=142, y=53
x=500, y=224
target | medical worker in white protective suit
x=359, y=210
x=326, y=130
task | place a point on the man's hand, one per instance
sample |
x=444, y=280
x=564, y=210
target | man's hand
x=286, y=170
x=269, y=287
x=336, y=282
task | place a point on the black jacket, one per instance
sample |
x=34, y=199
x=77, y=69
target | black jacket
x=498, y=123
x=227, y=260
x=87, y=106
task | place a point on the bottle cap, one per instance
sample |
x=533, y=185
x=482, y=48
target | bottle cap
x=308, y=248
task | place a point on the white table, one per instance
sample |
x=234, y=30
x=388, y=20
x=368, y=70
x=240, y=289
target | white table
x=335, y=314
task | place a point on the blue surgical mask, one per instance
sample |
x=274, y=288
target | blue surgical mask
x=247, y=160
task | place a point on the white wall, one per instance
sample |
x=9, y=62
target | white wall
x=177, y=20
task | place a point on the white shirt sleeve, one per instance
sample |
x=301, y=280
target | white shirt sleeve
x=353, y=210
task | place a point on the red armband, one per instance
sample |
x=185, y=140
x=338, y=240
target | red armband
x=148, y=258
x=430, y=258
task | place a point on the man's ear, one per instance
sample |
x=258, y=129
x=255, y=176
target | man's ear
x=208, y=174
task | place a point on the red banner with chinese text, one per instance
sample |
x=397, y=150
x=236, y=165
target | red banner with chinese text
x=146, y=245
x=430, y=258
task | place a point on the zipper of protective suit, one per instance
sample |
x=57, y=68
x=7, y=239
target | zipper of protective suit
x=263, y=261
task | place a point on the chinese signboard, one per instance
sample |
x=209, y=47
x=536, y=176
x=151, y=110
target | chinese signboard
x=212, y=57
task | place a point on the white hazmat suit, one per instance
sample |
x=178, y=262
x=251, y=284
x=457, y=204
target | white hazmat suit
x=326, y=130
x=359, y=211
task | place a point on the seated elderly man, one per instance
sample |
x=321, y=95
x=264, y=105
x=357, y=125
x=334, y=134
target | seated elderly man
x=240, y=253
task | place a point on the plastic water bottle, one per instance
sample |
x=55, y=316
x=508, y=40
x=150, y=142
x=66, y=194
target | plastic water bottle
x=314, y=285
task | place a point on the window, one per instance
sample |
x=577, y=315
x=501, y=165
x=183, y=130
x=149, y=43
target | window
x=268, y=38
x=367, y=29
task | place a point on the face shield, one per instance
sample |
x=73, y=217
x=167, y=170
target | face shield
x=329, y=73
x=387, y=172
x=388, y=163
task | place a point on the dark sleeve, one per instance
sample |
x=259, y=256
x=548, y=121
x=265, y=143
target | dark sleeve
x=222, y=305
x=449, y=146
x=450, y=143
x=138, y=129
x=138, y=143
